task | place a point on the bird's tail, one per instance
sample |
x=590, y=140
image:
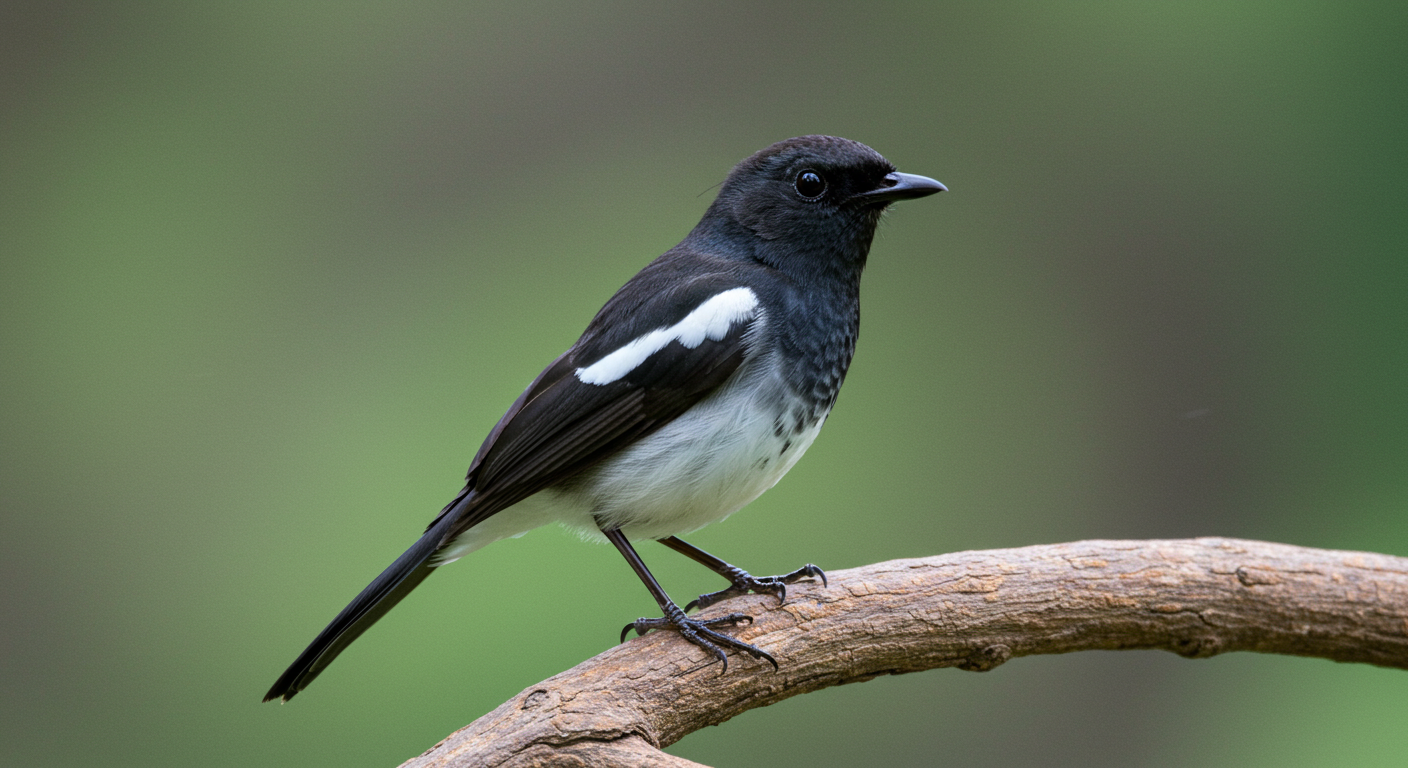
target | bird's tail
x=380, y=596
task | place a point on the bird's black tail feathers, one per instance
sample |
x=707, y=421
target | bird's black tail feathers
x=380, y=596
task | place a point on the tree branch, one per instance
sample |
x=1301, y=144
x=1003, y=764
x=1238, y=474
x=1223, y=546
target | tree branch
x=972, y=610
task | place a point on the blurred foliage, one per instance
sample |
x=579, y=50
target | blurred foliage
x=268, y=274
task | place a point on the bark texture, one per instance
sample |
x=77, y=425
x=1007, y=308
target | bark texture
x=972, y=610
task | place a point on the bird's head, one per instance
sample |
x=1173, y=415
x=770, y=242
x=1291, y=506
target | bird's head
x=813, y=199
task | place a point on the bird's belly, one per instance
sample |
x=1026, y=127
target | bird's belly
x=696, y=470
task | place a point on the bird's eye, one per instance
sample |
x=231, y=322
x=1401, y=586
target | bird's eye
x=810, y=185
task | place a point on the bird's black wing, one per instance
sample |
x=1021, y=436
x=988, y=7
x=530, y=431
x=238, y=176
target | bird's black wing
x=558, y=427
x=562, y=424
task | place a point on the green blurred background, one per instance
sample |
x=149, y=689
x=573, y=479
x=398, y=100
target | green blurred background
x=270, y=273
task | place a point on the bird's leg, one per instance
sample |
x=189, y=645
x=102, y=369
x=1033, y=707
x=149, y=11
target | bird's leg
x=697, y=631
x=741, y=581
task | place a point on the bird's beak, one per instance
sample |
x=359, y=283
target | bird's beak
x=900, y=186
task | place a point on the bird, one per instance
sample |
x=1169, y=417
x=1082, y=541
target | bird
x=697, y=386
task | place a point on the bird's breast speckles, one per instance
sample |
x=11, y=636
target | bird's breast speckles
x=819, y=373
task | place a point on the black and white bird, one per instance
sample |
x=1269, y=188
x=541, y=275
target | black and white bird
x=695, y=389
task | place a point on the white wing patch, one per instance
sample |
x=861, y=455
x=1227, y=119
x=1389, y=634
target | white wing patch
x=710, y=320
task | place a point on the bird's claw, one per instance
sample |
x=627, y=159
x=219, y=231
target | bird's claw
x=743, y=583
x=698, y=632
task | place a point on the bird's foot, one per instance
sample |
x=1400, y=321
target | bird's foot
x=743, y=583
x=699, y=632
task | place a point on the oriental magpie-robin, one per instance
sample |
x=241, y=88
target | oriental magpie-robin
x=695, y=389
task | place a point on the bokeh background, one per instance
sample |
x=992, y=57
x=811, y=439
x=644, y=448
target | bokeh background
x=270, y=273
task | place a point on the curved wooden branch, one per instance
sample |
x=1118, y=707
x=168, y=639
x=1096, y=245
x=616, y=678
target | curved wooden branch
x=972, y=610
